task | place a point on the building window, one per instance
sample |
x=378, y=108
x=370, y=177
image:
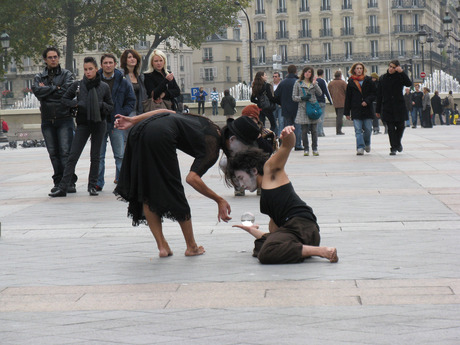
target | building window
x=182, y=84
x=372, y=4
x=260, y=33
x=401, y=47
x=327, y=74
x=346, y=5
x=236, y=34
x=305, y=28
x=28, y=83
x=222, y=32
x=416, y=22
x=327, y=51
x=228, y=74
x=283, y=53
x=207, y=54
x=326, y=27
x=416, y=45
x=238, y=73
x=347, y=27
x=209, y=73
x=374, y=49
x=306, y=52
x=325, y=5
x=238, y=57
x=282, y=33
x=181, y=62
x=375, y=69
x=281, y=6
x=260, y=7
x=261, y=54
x=348, y=50
x=304, y=6
x=417, y=70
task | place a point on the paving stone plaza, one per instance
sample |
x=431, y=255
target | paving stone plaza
x=74, y=271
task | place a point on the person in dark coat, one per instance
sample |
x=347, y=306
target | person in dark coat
x=283, y=96
x=426, y=113
x=93, y=99
x=228, y=103
x=359, y=97
x=259, y=88
x=436, y=105
x=391, y=105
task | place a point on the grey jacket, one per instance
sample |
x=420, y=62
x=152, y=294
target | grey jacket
x=297, y=93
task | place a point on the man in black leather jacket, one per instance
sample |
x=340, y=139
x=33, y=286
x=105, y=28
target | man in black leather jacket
x=57, y=125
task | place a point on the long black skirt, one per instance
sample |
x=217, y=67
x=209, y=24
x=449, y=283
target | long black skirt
x=150, y=171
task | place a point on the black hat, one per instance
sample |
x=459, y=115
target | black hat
x=245, y=129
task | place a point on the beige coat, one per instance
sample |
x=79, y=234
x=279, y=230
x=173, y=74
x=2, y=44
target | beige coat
x=337, y=88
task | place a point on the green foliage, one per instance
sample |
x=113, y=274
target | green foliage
x=117, y=24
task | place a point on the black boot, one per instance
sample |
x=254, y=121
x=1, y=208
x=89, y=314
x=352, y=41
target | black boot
x=92, y=191
x=59, y=192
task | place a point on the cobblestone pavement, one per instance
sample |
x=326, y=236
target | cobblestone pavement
x=74, y=271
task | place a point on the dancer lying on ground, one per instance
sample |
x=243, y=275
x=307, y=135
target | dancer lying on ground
x=294, y=233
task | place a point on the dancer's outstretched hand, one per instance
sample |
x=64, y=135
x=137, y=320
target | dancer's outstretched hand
x=123, y=122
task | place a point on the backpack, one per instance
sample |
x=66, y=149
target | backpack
x=445, y=102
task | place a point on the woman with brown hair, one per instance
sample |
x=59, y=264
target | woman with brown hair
x=305, y=90
x=261, y=89
x=360, y=95
x=130, y=62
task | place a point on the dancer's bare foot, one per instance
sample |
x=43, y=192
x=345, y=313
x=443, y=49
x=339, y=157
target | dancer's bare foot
x=195, y=251
x=164, y=249
x=330, y=253
x=165, y=253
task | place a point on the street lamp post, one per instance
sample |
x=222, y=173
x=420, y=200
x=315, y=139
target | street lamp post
x=430, y=40
x=422, y=39
x=5, y=40
x=237, y=3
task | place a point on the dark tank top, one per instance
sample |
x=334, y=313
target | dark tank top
x=283, y=203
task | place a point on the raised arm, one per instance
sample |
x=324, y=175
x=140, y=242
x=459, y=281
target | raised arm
x=274, y=173
x=125, y=122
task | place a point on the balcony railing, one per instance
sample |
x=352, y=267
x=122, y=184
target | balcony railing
x=325, y=7
x=304, y=33
x=282, y=34
x=372, y=30
x=207, y=58
x=281, y=10
x=406, y=28
x=347, y=31
x=325, y=32
x=260, y=36
x=260, y=11
x=382, y=56
x=347, y=6
x=304, y=9
x=408, y=4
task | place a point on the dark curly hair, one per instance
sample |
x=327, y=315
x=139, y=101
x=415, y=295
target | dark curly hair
x=245, y=160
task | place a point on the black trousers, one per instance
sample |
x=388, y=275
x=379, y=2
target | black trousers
x=395, y=133
x=83, y=132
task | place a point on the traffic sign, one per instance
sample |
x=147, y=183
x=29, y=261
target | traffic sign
x=195, y=92
x=422, y=74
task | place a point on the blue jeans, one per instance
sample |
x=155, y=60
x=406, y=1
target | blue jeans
x=279, y=120
x=298, y=136
x=118, y=148
x=415, y=111
x=448, y=112
x=321, y=120
x=363, y=130
x=409, y=115
x=58, y=135
x=214, y=108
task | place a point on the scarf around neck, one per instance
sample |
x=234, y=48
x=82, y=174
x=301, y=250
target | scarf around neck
x=357, y=79
x=93, y=112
